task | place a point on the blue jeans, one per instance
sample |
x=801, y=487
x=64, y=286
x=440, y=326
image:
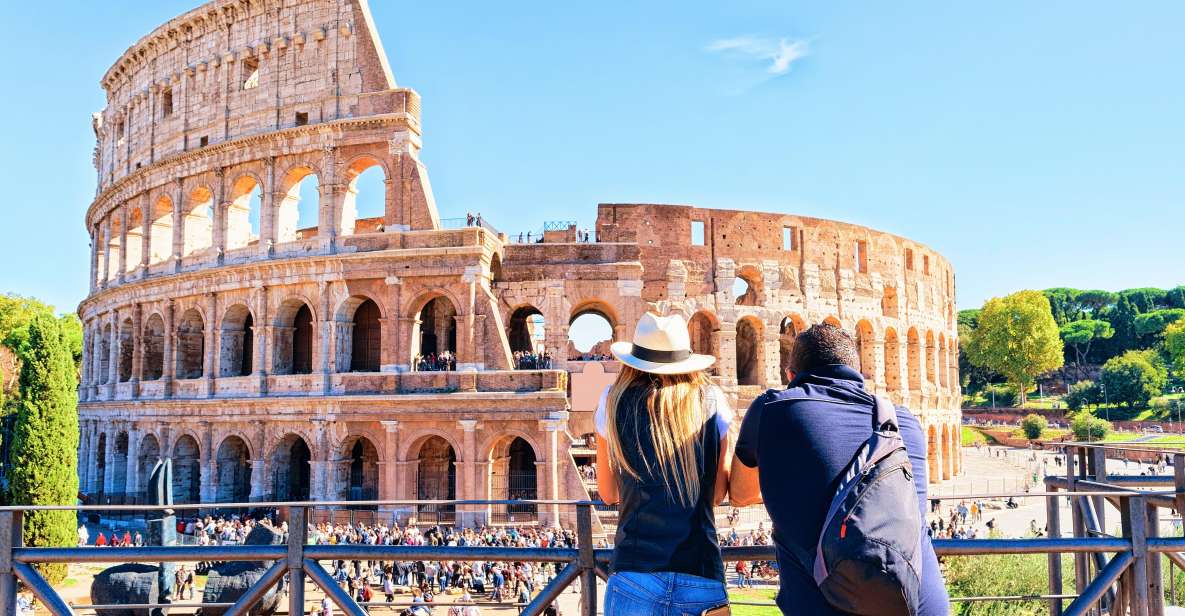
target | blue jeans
x=661, y=594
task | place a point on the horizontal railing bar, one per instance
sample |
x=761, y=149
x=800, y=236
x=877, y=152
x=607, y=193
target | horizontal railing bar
x=1066, y=545
x=1166, y=544
x=1011, y=598
x=172, y=553
x=143, y=606
x=279, y=504
x=427, y=552
x=999, y=495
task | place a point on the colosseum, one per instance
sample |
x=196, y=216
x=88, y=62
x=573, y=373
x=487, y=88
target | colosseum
x=280, y=351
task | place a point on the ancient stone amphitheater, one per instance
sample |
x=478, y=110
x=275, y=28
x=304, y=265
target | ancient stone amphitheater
x=272, y=358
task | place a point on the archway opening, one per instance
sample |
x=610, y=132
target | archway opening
x=147, y=456
x=514, y=476
x=589, y=335
x=436, y=338
x=191, y=345
x=866, y=351
x=291, y=477
x=135, y=246
x=297, y=213
x=127, y=342
x=160, y=235
x=436, y=479
x=187, y=475
x=367, y=338
x=197, y=231
x=358, y=472
x=748, y=352
x=154, y=348
x=293, y=351
x=527, y=336
x=704, y=331
x=119, y=473
x=365, y=204
x=238, y=342
x=105, y=355
x=931, y=360
x=114, y=247
x=788, y=331
x=746, y=287
x=242, y=214
x=101, y=466
x=914, y=360
x=233, y=484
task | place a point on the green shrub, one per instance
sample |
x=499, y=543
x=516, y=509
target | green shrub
x=1033, y=425
x=1134, y=378
x=1082, y=394
x=1005, y=395
x=996, y=575
x=1087, y=427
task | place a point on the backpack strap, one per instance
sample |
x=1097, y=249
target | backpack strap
x=884, y=416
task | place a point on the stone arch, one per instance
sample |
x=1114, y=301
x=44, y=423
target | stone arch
x=592, y=315
x=931, y=359
x=704, y=330
x=153, y=348
x=526, y=329
x=237, y=342
x=197, y=221
x=114, y=245
x=434, y=333
x=119, y=460
x=892, y=360
x=748, y=286
x=291, y=471
x=160, y=234
x=367, y=216
x=290, y=225
x=105, y=341
x=514, y=475
x=243, y=211
x=127, y=346
x=914, y=359
x=356, y=469
x=866, y=350
x=135, y=245
x=233, y=483
x=147, y=455
x=749, y=357
x=294, y=336
x=187, y=465
x=833, y=321
x=942, y=364
x=359, y=335
x=947, y=452
x=791, y=325
x=191, y=345
x=435, y=474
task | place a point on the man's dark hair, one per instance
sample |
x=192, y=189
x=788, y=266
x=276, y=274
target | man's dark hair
x=822, y=345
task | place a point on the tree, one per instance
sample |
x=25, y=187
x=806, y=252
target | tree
x=1079, y=334
x=1174, y=344
x=1087, y=427
x=1018, y=338
x=1083, y=394
x=1154, y=323
x=1033, y=425
x=45, y=439
x=1134, y=378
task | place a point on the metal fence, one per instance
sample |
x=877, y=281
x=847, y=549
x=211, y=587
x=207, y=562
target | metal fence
x=1118, y=574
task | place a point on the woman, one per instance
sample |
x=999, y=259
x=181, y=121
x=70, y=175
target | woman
x=662, y=440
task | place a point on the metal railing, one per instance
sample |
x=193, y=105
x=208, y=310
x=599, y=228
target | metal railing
x=1120, y=574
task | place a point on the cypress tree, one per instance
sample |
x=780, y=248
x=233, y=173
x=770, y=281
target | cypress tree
x=44, y=455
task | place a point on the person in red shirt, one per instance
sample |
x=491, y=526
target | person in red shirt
x=127, y=539
x=101, y=541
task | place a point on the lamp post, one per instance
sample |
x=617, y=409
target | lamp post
x=1106, y=402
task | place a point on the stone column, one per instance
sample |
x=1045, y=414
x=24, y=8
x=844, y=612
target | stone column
x=113, y=362
x=123, y=243
x=267, y=210
x=259, y=473
x=137, y=348
x=392, y=221
x=325, y=337
x=145, y=235
x=550, y=428
x=132, y=484
x=178, y=224
x=219, y=231
x=168, y=370
x=210, y=360
x=329, y=207
x=878, y=366
x=106, y=239
x=94, y=269
x=109, y=463
x=208, y=464
x=727, y=366
x=467, y=480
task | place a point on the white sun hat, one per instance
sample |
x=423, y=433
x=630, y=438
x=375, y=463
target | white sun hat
x=661, y=346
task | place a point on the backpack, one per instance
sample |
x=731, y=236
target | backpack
x=868, y=559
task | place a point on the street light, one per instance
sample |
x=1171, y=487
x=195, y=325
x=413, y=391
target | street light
x=1106, y=402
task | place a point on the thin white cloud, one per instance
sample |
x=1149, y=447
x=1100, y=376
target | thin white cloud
x=779, y=53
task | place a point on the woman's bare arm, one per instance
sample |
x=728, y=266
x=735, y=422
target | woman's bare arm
x=721, y=488
x=606, y=476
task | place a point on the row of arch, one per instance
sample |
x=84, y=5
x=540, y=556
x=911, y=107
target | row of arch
x=945, y=455
x=354, y=472
x=191, y=222
x=112, y=348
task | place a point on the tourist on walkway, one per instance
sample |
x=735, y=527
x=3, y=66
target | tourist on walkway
x=794, y=445
x=663, y=430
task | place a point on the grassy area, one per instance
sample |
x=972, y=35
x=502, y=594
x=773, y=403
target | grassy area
x=761, y=594
x=973, y=437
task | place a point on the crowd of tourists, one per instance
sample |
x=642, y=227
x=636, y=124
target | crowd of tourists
x=530, y=360
x=436, y=362
x=583, y=236
x=590, y=357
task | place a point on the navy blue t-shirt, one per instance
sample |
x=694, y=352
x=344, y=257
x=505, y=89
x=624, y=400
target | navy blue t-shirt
x=801, y=448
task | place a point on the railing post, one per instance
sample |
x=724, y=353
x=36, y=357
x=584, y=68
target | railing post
x=298, y=525
x=1052, y=515
x=1079, y=525
x=587, y=560
x=1155, y=581
x=10, y=537
x=1099, y=461
x=1137, y=518
x=1179, y=481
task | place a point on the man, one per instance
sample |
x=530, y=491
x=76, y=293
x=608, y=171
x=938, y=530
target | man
x=792, y=448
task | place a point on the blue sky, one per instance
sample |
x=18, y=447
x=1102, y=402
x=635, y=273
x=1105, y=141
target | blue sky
x=1033, y=144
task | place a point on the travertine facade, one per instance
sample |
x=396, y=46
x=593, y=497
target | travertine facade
x=275, y=359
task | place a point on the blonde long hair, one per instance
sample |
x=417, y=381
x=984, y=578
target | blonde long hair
x=675, y=403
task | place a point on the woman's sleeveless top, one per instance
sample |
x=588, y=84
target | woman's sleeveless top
x=656, y=531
